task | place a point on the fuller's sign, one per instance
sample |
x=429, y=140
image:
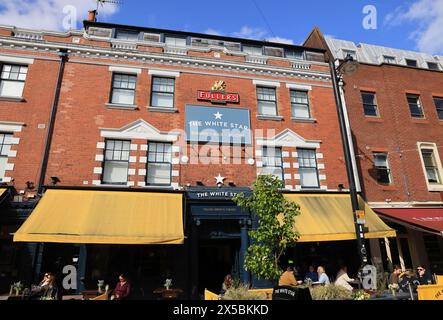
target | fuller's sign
x=218, y=94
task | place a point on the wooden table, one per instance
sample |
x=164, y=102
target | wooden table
x=88, y=294
x=171, y=294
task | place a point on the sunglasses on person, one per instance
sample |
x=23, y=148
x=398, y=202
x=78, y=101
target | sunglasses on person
x=420, y=269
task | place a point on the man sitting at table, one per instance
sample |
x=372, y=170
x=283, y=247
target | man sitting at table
x=343, y=279
x=288, y=277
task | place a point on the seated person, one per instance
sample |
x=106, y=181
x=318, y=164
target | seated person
x=343, y=279
x=423, y=277
x=122, y=290
x=394, y=277
x=227, y=284
x=405, y=279
x=51, y=290
x=322, y=276
x=312, y=275
x=288, y=278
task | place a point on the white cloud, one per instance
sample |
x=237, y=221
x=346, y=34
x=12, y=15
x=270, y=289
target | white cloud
x=212, y=32
x=48, y=14
x=280, y=40
x=250, y=33
x=428, y=14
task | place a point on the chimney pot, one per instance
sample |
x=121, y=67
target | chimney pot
x=92, y=16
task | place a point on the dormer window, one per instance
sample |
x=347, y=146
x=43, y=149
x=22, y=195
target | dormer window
x=411, y=63
x=433, y=66
x=253, y=50
x=175, y=41
x=351, y=53
x=389, y=59
x=294, y=54
x=126, y=35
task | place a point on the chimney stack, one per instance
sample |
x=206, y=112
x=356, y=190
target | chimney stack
x=92, y=17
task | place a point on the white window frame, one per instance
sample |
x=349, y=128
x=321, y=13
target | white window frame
x=386, y=167
x=433, y=147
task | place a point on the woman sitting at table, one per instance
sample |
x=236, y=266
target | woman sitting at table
x=122, y=290
x=323, y=278
x=343, y=279
x=51, y=291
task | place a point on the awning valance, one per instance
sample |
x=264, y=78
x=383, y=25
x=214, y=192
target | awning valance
x=329, y=217
x=425, y=219
x=2, y=193
x=105, y=217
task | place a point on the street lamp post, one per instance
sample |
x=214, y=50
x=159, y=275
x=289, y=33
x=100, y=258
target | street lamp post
x=348, y=66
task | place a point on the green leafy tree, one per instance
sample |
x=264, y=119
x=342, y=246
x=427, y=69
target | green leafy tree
x=275, y=232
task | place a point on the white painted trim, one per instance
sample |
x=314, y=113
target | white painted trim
x=176, y=161
x=321, y=166
x=259, y=164
x=139, y=129
x=175, y=185
x=100, y=145
x=132, y=159
x=142, y=172
x=289, y=187
x=141, y=184
x=131, y=184
x=288, y=138
x=134, y=147
x=319, y=155
x=286, y=165
x=96, y=182
x=298, y=87
x=431, y=146
x=19, y=60
x=322, y=177
x=11, y=126
x=12, y=154
x=9, y=167
x=296, y=177
x=6, y=179
x=143, y=160
x=414, y=204
x=274, y=84
x=99, y=157
x=98, y=170
x=126, y=70
x=285, y=154
x=14, y=140
x=164, y=73
x=131, y=172
x=175, y=149
x=143, y=147
x=295, y=165
x=175, y=173
x=288, y=176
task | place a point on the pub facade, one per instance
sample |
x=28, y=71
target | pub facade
x=146, y=137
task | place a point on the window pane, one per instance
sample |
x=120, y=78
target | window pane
x=380, y=160
x=428, y=159
x=267, y=108
x=126, y=35
x=439, y=105
x=11, y=88
x=300, y=111
x=159, y=173
x=383, y=176
x=162, y=100
x=432, y=174
x=178, y=42
x=115, y=172
x=411, y=63
x=257, y=51
x=120, y=96
x=275, y=171
x=3, y=161
x=308, y=177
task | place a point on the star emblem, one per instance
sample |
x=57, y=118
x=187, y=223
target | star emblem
x=219, y=179
x=218, y=115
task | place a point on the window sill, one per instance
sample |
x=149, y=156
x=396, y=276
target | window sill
x=420, y=121
x=162, y=109
x=121, y=106
x=272, y=118
x=306, y=120
x=388, y=187
x=12, y=99
x=435, y=188
x=153, y=187
x=373, y=119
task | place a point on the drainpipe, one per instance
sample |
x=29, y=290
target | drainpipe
x=63, y=58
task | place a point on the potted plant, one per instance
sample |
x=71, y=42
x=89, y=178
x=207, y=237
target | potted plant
x=168, y=284
x=16, y=288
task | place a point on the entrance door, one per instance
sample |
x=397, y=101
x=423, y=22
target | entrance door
x=217, y=258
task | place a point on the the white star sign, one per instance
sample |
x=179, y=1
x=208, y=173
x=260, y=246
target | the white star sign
x=218, y=115
x=220, y=179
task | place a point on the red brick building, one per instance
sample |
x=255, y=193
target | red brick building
x=395, y=108
x=116, y=108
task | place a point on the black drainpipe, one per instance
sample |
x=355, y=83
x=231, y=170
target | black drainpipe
x=63, y=58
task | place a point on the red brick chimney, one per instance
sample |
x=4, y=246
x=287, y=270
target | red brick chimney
x=92, y=16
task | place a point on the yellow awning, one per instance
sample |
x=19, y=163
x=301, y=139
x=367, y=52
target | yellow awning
x=329, y=217
x=2, y=193
x=105, y=217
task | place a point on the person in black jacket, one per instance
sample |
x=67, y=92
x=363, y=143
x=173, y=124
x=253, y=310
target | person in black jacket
x=423, y=277
x=51, y=291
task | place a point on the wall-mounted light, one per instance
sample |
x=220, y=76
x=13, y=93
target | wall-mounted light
x=55, y=180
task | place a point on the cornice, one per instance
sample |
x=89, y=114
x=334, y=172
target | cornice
x=161, y=59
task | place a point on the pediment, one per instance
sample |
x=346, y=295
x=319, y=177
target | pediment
x=289, y=138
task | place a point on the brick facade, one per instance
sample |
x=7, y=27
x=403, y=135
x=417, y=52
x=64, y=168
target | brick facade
x=76, y=154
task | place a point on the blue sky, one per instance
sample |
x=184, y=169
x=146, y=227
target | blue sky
x=410, y=24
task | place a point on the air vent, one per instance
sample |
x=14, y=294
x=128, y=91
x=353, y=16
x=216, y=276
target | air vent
x=151, y=37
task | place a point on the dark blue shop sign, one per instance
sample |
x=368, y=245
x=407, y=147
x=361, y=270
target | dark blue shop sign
x=220, y=210
x=218, y=125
